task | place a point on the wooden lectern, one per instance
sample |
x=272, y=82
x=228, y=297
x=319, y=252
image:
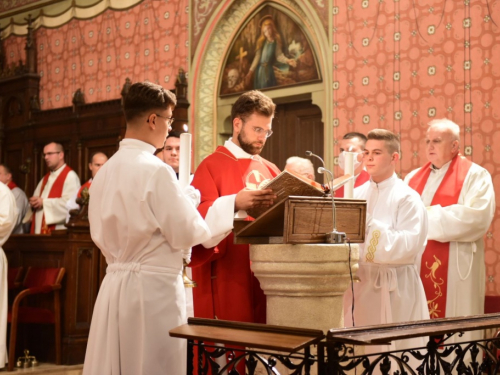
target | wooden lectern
x=303, y=220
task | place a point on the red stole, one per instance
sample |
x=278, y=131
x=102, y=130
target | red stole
x=55, y=192
x=362, y=178
x=11, y=185
x=434, y=266
x=85, y=185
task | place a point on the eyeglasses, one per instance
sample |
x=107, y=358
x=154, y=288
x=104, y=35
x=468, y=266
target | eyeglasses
x=261, y=131
x=170, y=120
x=51, y=153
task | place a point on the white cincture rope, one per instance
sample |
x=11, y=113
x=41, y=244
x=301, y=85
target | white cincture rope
x=474, y=248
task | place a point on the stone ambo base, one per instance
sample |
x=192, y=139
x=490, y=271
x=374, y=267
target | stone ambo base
x=304, y=284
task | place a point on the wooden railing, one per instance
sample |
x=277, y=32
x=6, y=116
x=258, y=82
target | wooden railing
x=273, y=347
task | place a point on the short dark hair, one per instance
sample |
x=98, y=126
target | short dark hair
x=59, y=146
x=144, y=97
x=252, y=102
x=391, y=139
x=7, y=169
x=175, y=134
x=352, y=135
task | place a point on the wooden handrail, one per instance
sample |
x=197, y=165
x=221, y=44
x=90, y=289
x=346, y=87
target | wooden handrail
x=385, y=333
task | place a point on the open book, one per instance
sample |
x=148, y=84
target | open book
x=289, y=183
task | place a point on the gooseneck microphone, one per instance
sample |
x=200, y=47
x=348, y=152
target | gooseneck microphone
x=309, y=153
x=334, y=236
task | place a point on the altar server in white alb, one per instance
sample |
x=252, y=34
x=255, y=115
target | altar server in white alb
x=390, y=290
x=8, y=219
x=141, y=219
x=460, y=202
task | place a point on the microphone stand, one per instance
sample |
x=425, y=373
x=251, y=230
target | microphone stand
x=333, y=237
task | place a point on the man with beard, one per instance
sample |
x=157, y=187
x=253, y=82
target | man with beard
x=53, y=191
x=227, y=288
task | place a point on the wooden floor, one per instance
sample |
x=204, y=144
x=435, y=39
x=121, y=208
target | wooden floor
x=46, y=369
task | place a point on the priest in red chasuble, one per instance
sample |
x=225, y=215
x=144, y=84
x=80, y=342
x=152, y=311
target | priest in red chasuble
x=56, y=188
x=460, y=203
x=227, y=288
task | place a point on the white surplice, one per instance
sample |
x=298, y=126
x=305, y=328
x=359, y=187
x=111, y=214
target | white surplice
x=22, y=207
x=390, y=290
x=8, y=219
x=141, y=220
x=55, y=208
x=463, y=225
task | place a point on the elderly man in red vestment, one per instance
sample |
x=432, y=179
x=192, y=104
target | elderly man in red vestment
x=53, y=191
x=460, y=204
x=353, y=142
x=227, y=288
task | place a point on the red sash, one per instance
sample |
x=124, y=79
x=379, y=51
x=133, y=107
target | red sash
x=11, y=185
x=434, y=266
x=55, y=192
x=362, y=178
x=85, y=185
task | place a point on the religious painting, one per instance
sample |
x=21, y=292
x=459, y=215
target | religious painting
x=270, y=51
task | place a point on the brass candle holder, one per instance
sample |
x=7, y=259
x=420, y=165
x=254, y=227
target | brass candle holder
x=27, y=361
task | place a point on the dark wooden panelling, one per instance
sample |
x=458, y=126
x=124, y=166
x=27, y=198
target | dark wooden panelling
x=78, y=254
x=297, y=127
x=82, y=130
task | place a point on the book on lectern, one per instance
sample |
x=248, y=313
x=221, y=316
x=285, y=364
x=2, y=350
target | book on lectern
x=288, y=183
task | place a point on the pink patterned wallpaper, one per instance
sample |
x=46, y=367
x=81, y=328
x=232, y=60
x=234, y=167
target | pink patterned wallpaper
x=146, y=42
x=398, y=65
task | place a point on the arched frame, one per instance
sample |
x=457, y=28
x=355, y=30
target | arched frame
x=208, y=112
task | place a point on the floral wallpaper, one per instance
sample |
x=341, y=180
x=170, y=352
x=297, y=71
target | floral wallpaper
x=400, y=64
x=396, y=65
x=146, y=42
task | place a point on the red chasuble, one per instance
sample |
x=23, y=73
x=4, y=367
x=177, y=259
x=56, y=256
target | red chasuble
x=227, y=288
x=362, y=178
x=55, y=192
x=85, y=185
x=434, y=266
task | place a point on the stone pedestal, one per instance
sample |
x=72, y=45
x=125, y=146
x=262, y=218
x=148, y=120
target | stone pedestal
x=304, y=284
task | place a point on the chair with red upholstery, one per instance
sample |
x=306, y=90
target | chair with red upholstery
x=14, y=282
x=37, y=281
x=14, y=277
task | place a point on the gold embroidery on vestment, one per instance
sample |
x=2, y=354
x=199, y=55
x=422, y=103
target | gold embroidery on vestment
x=370, y=256
x=433, y=305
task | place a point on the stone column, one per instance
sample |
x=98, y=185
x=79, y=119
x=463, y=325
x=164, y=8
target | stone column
x=304, y=284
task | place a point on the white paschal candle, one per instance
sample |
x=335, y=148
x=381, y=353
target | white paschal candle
x=185, y=159
x=349, y=169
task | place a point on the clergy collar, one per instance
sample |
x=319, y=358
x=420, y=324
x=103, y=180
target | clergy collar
x=443, y=169
x=237, y=151
x=58, y=170
x=135, y=143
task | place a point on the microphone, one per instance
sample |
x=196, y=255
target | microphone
x=334, y=236
x=309, y=153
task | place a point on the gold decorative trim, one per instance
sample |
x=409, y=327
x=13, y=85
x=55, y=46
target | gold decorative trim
x=204, y=97
x=370, y=255
x=433, y=305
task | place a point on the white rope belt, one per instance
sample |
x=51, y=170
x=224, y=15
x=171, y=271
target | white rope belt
x=138, y=267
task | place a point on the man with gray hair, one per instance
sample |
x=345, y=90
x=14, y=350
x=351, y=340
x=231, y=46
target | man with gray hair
x=460, y=203
x=300, y=166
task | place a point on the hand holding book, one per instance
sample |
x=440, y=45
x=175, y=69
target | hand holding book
x=288, y=183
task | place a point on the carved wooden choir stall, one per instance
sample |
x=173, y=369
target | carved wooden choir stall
x=82, y=129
